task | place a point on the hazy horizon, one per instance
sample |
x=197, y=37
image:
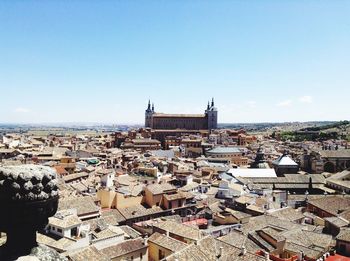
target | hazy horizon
x=81, y=124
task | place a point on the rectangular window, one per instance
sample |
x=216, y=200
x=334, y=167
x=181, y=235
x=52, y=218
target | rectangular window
x=59, y=230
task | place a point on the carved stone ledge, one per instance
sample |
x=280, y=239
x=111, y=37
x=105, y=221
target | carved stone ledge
x=28, y=197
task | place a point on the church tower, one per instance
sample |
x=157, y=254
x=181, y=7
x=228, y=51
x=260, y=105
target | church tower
x=148, y=115
x=212, y=116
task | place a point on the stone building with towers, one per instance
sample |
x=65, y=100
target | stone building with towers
x=162, y=121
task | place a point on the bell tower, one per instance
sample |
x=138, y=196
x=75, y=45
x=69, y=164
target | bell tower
x=148, y=115
x=212, y=115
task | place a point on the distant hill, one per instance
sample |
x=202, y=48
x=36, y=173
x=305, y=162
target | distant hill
x=271, y=126
x=336, y=130
x=341, y=125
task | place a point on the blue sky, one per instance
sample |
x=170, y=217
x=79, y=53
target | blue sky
x=100, y=61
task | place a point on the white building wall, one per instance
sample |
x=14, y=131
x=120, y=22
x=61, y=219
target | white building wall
x=67, y=233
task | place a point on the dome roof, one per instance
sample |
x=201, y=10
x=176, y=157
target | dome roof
x=260, y=162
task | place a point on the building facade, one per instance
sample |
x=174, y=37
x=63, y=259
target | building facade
x=161, y=121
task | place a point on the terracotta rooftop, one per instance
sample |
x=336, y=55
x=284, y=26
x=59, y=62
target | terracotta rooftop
x=308, y=238
x=64, y=219
x=112, y=216
x=83, y=205
x=124, y=248
x=138, y=211
x=129, y=231
x=180, y=229
x=344, y=235
x=157, y=189
x=335, y=153
x=289, y=214
x=167, y=242
x=88, y=253
x=175, y=196
x=260, y=222
x=332, y=204
x=208, y=249
x=239, y=240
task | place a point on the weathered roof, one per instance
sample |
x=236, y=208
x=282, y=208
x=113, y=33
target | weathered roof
x=124, y=248
x=70, y=177
x=125, y=180
x=288, y=181
x=167, y=242
x=309, y=252
x=260, y=222
x=189, y=186
x=61, y=244
x=237, y=214
x=138, y=211
x=340, y=178
x=157, y=189
x=337, y=221
x=64, y=219
x=256, y=237
x=273, y=233
x=208, y=249
x=111, y=231
x=331, y=204
x=88, y=253
x=344, y=235
x=345, y=214
x=179, y=229
x=175, y=196
x=239, y=240
x=113, y=216
x=83, y=205
x=289, y=214
x=308, y=238
x=133, y=190
x=335, y=153
x=132, y=233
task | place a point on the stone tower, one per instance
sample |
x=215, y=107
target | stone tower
x=148, y=115
x=212, y=116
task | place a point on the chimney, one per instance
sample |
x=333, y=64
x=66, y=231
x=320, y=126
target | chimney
x=301, y=256
x=243, y=251
x=145, y=240
x=267, y=256
x=219, y=254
